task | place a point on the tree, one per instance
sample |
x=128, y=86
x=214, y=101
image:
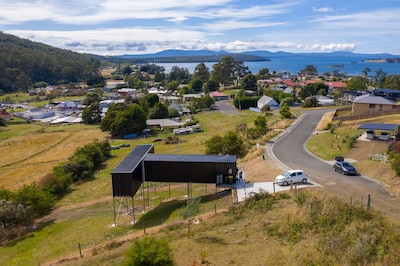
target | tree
x=152, y=99
x=91, y=98
x=191, y=209
x=263, y=73
x=159, y=111
x=181, y=75
x=204, y=102
x=127, y=70
x=227, y=70
x=150, y=251
x=3, y=122
x=211, y=85
x=357, y=83
x=249, y=82
x=197, y=85
x=288, y=101
x=285, y=112
x=223, y=72
x=92, y=114
x=392, y=82
x=201, y=72
x=231, y=143
x=122, y=119
x=313, y=89
x=366, y=71
x=310, y=102
x=309, y=70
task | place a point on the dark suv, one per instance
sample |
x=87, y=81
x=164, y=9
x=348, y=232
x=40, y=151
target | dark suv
x=345, y=168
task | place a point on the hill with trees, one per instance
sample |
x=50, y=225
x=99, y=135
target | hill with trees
x=24, y=64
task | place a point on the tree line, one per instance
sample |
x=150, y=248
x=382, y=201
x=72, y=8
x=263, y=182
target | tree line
x=24, y=63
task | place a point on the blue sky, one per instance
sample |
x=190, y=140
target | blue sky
x=139, y=27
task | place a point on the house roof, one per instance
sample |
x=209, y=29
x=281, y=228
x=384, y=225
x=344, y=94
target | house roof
x=163, y=123
x=176, y=158
x=371, y=99
x=267, y=100
x=389, y=127
x=217, y=94
x=336, y=84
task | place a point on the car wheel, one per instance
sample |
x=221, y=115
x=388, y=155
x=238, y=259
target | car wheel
x=304, y=181
x=285, y=183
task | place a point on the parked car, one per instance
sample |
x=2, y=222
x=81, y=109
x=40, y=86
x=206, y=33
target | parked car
x=370, y=134
x=339, y=158
x=291, y=176
x=345, y=168
x=124, y=145
x=384, y=136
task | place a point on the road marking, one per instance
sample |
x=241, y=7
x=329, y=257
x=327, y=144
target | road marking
x=331, y=183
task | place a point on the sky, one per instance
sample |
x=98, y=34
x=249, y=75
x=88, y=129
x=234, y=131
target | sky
x=110, y=27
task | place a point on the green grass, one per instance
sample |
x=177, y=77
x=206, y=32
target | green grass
x=90, y=223
x=14, y=130
x=58, y=239
x=327, y=145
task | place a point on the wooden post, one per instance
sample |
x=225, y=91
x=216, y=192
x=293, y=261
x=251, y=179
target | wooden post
x=80, y=251
x=369, y=201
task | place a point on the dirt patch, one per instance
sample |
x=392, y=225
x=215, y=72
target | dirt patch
x=364, y=149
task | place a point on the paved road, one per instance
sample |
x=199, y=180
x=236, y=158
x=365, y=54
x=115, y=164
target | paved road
x=288, y=150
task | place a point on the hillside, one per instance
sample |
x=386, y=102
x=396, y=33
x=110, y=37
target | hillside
x=24, y=63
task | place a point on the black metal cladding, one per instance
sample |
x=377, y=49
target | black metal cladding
x=188, y=168
x=127, y=177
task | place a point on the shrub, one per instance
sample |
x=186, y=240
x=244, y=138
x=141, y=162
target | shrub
x=150, y=251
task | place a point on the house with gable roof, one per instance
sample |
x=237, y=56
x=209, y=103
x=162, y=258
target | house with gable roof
x=267, y=100
x=219, y=96
x=371, y=104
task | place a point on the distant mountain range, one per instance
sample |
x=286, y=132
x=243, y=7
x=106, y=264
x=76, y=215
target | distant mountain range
x=176, y=56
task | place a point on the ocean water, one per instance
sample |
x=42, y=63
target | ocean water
x=349, y=65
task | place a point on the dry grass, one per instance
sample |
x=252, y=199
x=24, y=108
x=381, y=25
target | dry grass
x=30, y=157
x=325, y=120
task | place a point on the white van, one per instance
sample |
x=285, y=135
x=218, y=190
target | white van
x=370, y=134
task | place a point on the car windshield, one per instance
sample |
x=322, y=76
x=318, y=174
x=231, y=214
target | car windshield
x=286, y=174
x=346, y=164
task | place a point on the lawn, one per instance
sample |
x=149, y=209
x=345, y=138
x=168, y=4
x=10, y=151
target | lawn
x=85, y=215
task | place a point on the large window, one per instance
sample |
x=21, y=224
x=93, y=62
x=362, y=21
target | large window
x=372, y=106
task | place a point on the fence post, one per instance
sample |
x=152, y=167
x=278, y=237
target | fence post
x=80, y=250
x=369, y=201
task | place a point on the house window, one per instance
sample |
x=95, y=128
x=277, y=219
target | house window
x=380, y=107
x=372, y=106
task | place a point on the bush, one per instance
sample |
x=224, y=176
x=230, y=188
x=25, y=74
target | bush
x=150, y=251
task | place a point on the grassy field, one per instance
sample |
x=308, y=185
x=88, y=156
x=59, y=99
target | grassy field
x=84, y=217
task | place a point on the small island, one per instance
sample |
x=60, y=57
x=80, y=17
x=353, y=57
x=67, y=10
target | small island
x=383, y=60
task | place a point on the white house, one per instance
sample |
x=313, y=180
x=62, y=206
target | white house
x=267, y=100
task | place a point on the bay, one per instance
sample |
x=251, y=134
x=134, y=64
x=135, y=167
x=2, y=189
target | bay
x=349, y=65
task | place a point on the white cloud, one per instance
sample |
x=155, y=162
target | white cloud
x=322, y=9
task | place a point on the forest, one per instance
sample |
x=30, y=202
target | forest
x=24, y=64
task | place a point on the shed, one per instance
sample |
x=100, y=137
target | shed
x=393, y=128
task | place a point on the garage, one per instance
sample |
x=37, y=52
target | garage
x=392, y=129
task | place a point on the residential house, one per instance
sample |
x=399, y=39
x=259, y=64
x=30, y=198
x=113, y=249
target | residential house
x=189, y=97
x=324, y=100
x=219, y=96
x=390, y=94
x=266, y=100
x=370, y=104
x=68, y=105
x=126, y=91
x=5, y=115
x=36, y=114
